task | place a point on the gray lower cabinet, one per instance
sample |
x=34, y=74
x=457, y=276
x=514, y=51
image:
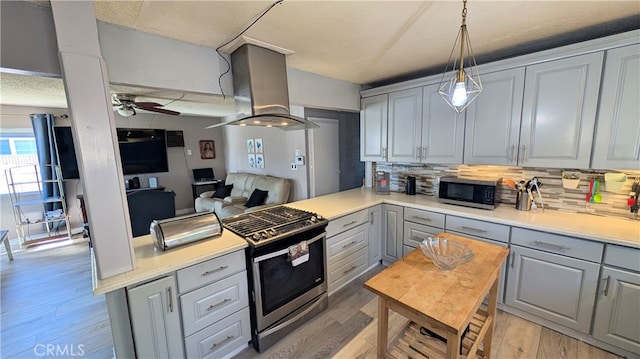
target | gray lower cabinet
x=617, y=316
x=418, y=225
x=554, y=287
x=374, y=234
x=155, y=319
x=392, y=232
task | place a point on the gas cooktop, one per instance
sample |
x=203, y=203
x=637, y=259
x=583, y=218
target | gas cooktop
x=272, y=223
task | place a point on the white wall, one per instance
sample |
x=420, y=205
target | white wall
x=311, y=90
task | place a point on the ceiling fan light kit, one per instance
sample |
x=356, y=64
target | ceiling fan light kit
x=461, y=87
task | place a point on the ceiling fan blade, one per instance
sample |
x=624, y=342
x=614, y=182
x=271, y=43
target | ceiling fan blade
x=147, y=104
x=159, y=110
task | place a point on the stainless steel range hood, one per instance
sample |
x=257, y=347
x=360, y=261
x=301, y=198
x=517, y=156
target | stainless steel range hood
x=260, y=89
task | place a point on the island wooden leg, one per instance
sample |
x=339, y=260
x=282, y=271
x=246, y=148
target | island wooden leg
x=491, y=312
x=383, y=327
x=453, y=345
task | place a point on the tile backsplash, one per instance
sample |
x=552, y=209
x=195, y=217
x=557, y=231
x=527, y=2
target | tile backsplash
x=555, y=196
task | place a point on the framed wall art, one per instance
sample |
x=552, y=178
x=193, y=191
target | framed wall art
x=207, y=149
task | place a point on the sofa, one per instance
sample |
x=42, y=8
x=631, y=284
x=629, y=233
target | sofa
x=242, y=188
x=147, y=205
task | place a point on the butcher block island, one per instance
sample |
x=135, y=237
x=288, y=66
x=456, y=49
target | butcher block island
x=442, y=302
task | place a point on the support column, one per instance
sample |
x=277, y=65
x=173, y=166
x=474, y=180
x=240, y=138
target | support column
x=93, y=126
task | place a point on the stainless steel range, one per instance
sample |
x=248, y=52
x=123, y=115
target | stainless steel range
x=284, y=294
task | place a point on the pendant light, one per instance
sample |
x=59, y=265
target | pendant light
x=463, y=86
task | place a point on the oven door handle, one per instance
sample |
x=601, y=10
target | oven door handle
x=286, y=250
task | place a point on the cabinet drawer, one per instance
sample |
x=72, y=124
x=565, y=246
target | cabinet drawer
x=554, y=243
x=347, y=222
x=497, y=232
x=347, y=269
x=623, y=257
x=345, y=243
x=415, y=233
x=424, y=217
x=210, y=271
x=221, y=340
x=209, y=304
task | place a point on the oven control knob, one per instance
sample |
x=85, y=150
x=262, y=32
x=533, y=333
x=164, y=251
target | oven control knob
x=256, y=237
x=272, y=232
x=264, y=235
x=313, y=219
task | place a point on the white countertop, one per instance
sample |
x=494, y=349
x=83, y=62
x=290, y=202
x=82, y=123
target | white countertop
x=597, y=228
x=151, y=262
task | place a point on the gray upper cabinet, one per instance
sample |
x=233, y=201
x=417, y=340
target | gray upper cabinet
x=492, y=132
x=405, y=123
x=618, y=131
x=373, y=128
x=559, y=112
x=442, y=130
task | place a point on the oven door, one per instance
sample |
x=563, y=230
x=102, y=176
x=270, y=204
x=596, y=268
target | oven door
x=281, y=288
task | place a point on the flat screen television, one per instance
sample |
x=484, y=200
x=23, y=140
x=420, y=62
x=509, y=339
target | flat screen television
x=141, y=151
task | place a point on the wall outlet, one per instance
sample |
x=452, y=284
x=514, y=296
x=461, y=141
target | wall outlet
x=299, y=160
x=294, y=167
x=189, y=153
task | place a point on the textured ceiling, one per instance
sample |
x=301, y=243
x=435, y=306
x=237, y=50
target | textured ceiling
x=365, y=42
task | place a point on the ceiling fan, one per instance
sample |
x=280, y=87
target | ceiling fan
x=126, y=106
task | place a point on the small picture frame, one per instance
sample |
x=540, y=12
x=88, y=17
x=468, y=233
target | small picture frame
x=250, y=146
x=260, y=160
x=207, y=150
x=259, y=145
x=252, y=160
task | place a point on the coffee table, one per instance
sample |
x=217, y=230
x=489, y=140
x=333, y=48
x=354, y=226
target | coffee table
x=444, y=302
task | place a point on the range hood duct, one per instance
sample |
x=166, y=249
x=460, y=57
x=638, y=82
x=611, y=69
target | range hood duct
x=261, y=91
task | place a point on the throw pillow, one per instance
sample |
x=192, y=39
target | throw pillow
x=257, y=198
x=223, y=191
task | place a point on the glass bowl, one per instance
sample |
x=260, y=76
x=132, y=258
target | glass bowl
x=445, y=253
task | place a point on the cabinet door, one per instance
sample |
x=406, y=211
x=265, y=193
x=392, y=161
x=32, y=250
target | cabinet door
x=155, y=319
x=392, y=232
x=405, y=123
x=374, y=233
x=492, y=131
x=617, y=320
x=553, y=287
x=442, y=130
x=559, y=112
x=618, y=132
x=373, y=128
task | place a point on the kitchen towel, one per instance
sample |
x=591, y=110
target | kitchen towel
x=299, y=253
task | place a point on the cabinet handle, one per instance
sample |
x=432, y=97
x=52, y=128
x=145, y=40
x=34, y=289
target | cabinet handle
x=349, y=244
x=350, y=270
x=425, y=151
x=421, y=218
x=513, y=256
x=414, y=238
x=170, y=300
x=606, y=286
x=474, y=229
x=224, y=341
x=418, y=152
x=218, y=305
x=384, y=152
x=349, y=224
x=551, y=245
x=371, y=217
x=214, y=271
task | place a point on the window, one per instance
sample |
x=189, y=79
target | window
x=17, y=148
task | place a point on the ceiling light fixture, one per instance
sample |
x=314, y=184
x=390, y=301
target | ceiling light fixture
x=463, y=86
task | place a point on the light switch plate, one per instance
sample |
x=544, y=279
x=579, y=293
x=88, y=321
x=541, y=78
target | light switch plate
x=299, y=160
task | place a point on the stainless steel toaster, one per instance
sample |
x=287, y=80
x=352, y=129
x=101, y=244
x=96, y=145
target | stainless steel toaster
x=177, y=231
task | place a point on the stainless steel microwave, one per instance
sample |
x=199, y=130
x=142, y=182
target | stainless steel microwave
x=470, y=192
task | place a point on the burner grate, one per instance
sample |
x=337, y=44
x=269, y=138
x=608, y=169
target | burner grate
x=270, y=218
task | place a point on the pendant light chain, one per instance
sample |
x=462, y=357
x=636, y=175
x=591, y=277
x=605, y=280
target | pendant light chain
x=464, y=12
x=463, y=32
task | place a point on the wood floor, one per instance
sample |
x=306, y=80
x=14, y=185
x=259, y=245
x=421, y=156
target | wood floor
x=46, y=299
